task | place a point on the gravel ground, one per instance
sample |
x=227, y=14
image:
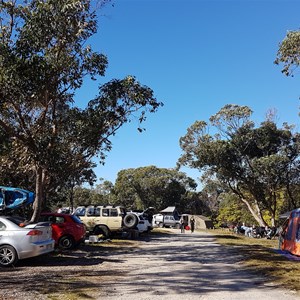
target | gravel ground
x=174, y=266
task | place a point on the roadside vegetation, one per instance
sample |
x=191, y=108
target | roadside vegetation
x=260, y=256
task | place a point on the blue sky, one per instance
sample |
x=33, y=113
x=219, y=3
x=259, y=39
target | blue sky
x=197, y=56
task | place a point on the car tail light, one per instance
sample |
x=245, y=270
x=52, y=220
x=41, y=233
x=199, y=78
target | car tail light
x=34, y=232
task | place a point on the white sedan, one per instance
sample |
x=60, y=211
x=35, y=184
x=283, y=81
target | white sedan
x=19, y=241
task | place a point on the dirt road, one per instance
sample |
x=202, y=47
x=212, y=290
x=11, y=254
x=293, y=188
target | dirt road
x=171, y=266
x=187, y=266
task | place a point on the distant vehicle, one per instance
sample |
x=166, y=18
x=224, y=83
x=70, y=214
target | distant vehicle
x=160, y=220
x=13, y=198
x=20, y=241
x=67, y=230
x=66, y=210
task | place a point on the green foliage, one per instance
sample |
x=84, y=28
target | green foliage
x=196, y=203
x=232, y=211
x=288, y=53
x=83, y=196
x=257, y=164
x=151, y=186
x=44, y=59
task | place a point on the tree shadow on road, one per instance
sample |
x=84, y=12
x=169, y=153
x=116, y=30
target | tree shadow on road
x=159, y=264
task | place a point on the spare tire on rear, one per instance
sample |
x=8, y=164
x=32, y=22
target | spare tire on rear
x=102, y=229
x=130, y=221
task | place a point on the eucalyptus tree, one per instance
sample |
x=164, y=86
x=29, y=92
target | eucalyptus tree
x=288, y=56
x=44, y=59
x=288, y=53
x=232, y=211
x=255, y=163
x=151, y=186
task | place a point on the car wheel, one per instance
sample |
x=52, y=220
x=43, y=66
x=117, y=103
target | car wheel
x=66, y=242
x=102, y=230
x=8, y=256
x=130, y=221
x=160, y=225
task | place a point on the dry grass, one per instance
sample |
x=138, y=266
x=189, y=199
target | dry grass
x=260, y=256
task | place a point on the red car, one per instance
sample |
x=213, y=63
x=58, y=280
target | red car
x=67, y=230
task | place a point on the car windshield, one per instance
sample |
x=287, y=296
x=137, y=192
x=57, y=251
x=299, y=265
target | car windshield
x=80, y=211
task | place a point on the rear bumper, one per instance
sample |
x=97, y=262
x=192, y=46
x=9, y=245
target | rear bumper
x=37, y=249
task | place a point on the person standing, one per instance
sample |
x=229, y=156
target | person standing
x=182, y=226
x=192, y=221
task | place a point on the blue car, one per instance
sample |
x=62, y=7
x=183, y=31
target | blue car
x=14, y=198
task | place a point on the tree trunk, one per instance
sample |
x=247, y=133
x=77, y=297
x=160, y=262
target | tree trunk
x=39, y=187
x=72, y=198
x=256, y=216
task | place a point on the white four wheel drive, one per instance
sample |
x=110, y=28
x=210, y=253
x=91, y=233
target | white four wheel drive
x=144, y=225
x=106, y=220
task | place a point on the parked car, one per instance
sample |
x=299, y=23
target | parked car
x=67, y=230
x=106, y=220
x=143, y=224
x=160, y=220
x=19, y=241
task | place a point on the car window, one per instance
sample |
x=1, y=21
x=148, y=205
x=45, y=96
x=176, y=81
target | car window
x=90, y=211
x=113, y=212
x=122, y=211
x=105, y=212
x=59, y=220
x=97, y=211
x=109, y=212
x=16, y=220
x=47, y=218
x=2, y=226
x=80, y=211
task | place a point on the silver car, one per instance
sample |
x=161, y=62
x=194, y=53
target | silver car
x=19, y=241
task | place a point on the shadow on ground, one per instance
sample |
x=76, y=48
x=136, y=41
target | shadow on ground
x=184, y=263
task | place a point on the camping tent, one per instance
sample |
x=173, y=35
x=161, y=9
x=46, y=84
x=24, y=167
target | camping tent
x=201, y=222
x=291, y=238
x=171, y=211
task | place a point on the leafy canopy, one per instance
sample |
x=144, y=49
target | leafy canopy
x=151, y=186
x=44, y=59
x=256, y=163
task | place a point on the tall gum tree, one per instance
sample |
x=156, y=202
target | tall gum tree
x=288, y=56
x=255, y=163
x=44, y=59
x=288, y=53
x=148, y=186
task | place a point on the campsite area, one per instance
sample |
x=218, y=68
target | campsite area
x=162, y=265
